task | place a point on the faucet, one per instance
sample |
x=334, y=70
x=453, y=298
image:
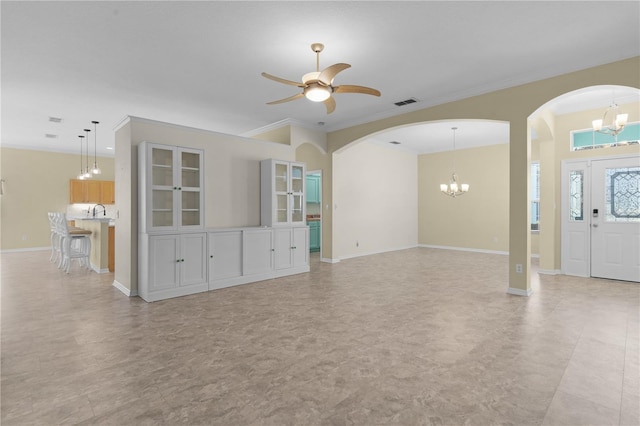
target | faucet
x=104, y=209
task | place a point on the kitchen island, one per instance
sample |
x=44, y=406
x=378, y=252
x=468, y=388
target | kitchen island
x=99, y=228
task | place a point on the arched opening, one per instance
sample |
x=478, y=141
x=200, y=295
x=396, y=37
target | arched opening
x=387, y=189
x=557, y=131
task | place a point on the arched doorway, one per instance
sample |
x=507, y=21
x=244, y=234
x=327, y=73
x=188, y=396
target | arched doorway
x=558, y=129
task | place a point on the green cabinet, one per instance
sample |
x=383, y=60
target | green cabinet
x=313, y=189
x=314, y=235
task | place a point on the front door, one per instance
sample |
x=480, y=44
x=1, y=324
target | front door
x=615, y=219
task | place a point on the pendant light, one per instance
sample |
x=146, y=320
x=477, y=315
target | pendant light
x=81, y=175
x=87, y=173
x=96, y=170
x=454, y=189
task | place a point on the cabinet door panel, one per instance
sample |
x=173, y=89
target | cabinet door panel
x=163, y=262
x=257, y=251
x=94, y=191
x=300, y=252
x=225, y=255
x=77, y=191
x=108, y=192
x=193, y=266
x=283, y=248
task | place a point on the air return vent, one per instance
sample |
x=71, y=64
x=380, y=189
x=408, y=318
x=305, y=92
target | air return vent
x=55, y=119
x=394, y=143
x=406, y=102
x=50, y=136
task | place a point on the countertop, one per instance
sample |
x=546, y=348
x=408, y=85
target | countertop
x=111, y=221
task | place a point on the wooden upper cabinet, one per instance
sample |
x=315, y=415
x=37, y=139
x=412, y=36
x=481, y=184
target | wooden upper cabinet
x=94, y=191
x=76, y=191
x=91, y=191
x=108, y=192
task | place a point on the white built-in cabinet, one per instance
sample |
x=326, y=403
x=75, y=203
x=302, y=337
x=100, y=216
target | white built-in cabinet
x=246, y=255
x=177, y=256
x=171, y=185
x=292, y=247
x=172, y=244
x=172, y=265
x=282, y=193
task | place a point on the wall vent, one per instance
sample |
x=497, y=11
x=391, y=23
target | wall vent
x=406, y=102
x=394, y=143
x=55, y=119
x=50, y=136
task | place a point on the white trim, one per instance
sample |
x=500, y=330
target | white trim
x=327, y=260
x=122, y=288
x=535, y=256
x=97, y=270
x=550, y=271
x=519, y=292
x=464, y=249
x=26, y=249
x=378, y=252
x=278, y=125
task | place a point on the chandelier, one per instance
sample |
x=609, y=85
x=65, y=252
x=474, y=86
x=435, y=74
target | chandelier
x=616, y=122
x=453, y=188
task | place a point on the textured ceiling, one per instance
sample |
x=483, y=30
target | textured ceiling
x=198, y=63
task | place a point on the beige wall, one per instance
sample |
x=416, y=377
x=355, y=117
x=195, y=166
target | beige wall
x=477, y=220
x=231, y=175
x=374, y=200
x=513, y=105
x=36, y=182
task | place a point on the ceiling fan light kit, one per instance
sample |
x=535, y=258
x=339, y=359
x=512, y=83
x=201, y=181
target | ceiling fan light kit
x=317, y=86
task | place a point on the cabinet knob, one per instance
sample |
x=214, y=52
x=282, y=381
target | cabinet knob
x=211, y=256
x=175, y=187
x=273, y=249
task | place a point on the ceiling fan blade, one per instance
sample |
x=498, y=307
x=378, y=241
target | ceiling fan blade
x=328, y=74
x=282, y=80
x=330, y=103
x=290, y=98
x=348, y=88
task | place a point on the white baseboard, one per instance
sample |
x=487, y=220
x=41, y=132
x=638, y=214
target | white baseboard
x=519, y=292
x=122, y=288
x=550, y=271
x=464, y=249
x=98, y=270
x=25, y=249
x=327, y=260
x=351, y=256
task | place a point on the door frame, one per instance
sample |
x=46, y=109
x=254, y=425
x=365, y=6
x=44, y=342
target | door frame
x=566, y=166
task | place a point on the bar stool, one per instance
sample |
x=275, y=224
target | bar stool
x=75, y=243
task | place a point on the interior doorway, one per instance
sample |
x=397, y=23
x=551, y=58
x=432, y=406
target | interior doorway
x=314, y=210
x=601, y=218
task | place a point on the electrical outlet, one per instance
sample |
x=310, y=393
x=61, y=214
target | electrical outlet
x=518, y=268
x=24, y=237
x=357, y=243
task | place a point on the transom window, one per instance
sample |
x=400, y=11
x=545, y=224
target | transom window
x=588, y=139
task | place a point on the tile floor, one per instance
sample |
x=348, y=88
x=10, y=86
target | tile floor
x=418, y=336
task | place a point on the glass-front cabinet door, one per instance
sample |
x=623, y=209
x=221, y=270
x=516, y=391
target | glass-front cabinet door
x=282, y=193
x=190, y=188
x=281, y=184
x=163, y=213
x=172, y=180
x=297, y=193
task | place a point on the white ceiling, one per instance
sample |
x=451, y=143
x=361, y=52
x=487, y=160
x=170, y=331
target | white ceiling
x=198, y=63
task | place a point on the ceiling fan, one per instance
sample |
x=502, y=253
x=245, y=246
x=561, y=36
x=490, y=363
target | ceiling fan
x=318, y=86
